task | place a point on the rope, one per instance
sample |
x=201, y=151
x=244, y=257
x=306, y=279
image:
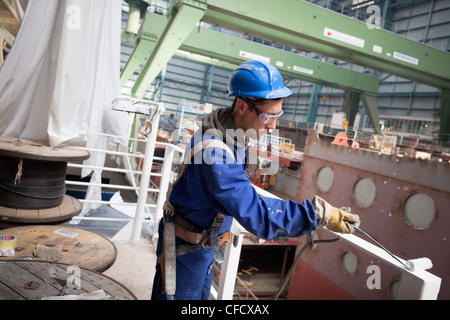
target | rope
x=407, y=265
x=19, y=172
x=246, y=287
x=309, y=243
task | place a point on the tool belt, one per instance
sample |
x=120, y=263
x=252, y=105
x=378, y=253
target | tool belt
x=193, y=235
x=200, y=238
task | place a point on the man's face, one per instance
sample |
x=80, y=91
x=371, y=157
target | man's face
x=252, y=121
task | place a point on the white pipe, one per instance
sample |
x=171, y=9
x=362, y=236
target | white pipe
x=163, y=185
x=117, y=153
x=102, y=219
x=106, y=186
x=80, y=166
x=106, y=219
x=176, y=148
x=145, y=177
x=149, y=205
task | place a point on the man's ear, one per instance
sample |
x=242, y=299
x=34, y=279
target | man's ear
x=240, y=106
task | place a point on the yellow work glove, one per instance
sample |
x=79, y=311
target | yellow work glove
x=334, y=219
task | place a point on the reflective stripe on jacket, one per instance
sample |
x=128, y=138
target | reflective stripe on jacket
x=214, y=182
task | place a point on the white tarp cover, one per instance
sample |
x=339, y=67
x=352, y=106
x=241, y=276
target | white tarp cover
x=62, y=74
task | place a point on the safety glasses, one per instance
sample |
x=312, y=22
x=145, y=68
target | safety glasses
x=264, y=117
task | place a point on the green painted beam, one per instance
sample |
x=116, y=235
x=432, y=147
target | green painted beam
x=444, y=132
x=313, y=106
x=371, y=108
x=5, y=34
x=184, y=15
x=313, y=28
x=227, y=51
x=235, y=50
x=351, y=106
x=143, y=47
x=231, y=51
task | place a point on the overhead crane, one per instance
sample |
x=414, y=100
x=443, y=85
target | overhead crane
x=310, y=28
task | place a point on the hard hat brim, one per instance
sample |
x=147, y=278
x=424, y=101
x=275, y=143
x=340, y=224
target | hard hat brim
x=272, y=94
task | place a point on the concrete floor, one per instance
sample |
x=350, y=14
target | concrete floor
x=135, y=263
x=135, y=266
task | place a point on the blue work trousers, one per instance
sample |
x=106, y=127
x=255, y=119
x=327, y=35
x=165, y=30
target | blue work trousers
x=194, y=276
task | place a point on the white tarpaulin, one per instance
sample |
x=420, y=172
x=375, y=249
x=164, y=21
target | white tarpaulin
x=62, y=74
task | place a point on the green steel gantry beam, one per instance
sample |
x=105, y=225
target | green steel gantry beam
x=307, y=27
x=313, y=28
x=5, y=34
x=233, y=51
x=182, y=20
x=229, y=52
x=444, y=130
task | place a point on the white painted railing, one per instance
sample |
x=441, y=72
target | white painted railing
x=416, y=283
x=224, y=290
x=145, y=174
x=138, y=220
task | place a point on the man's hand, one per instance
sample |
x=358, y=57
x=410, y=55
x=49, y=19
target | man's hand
x=334, y=219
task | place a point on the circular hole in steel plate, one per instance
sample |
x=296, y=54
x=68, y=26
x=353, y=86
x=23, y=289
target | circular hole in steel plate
x=324, y=179
x=393, y=289
x=364, y=192
x=349, y=262
x=419, y=210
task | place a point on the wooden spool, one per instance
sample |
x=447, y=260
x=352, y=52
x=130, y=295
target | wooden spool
x=65, y=244
x=32, y=184
x=67, y=209
x=34, y=280
x=32, y=177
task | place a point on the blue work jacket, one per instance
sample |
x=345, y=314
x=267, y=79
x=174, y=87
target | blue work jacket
x=215, y=182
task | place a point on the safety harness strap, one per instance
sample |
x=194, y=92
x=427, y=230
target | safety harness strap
x=179, y=227
x=214, y=236
x=210, y=143
x=184, y=229
x=169, y=257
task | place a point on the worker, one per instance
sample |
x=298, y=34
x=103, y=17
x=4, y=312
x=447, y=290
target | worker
x=212, y=188
x=144, y=131
x=169, y=124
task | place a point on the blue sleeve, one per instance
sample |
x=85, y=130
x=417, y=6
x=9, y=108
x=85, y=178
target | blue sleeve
x=268, y=218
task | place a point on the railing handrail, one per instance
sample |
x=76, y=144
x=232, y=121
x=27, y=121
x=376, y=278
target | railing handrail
x=416, y=282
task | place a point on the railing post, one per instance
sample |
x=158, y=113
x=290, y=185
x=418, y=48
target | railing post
x=163, y=187
x=229, y=269
x=145, y=177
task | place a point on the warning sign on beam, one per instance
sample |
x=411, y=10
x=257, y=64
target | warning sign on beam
x=253, y=56
x=406, y=58
x=344, y=37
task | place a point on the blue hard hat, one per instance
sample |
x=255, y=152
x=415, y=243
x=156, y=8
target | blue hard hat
x=257, y=79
